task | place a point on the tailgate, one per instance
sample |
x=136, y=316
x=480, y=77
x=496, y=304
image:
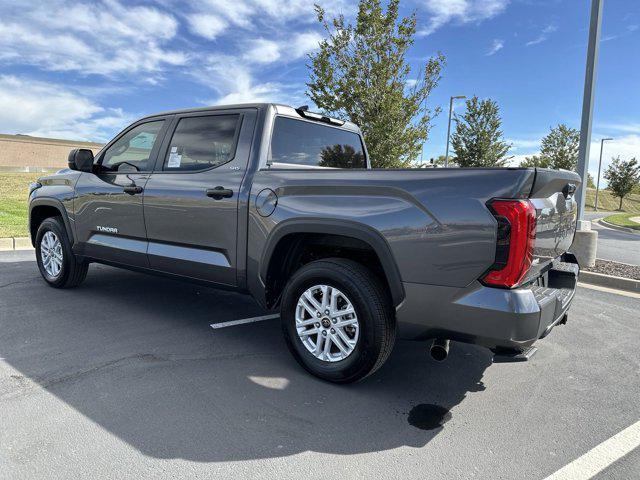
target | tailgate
x=553, y=196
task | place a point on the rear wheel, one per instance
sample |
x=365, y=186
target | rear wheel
x=337, y=320
x=57, y=264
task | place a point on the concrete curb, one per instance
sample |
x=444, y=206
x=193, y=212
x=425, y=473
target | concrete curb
x=619, y=283
x=616, y=227
x=8, y=244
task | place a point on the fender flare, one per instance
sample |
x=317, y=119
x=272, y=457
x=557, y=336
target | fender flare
x=345, y=228
x=57, y=204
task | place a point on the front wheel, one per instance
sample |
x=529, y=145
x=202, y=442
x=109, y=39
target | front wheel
x=57, y=264
x=337, y=320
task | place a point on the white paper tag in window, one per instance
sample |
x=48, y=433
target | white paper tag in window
x=174, y=158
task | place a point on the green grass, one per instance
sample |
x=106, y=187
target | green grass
x=608, y=203
x=14, y=189
x=623, y=220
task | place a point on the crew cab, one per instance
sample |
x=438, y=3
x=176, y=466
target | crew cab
x=282, y=204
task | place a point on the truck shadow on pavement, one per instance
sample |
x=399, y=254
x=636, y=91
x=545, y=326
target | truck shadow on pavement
x=135, y=354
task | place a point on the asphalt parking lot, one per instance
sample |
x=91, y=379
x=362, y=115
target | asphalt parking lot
x=613, y=244
x=124, y=378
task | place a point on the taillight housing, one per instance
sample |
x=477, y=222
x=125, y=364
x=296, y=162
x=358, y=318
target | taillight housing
x=516, y=237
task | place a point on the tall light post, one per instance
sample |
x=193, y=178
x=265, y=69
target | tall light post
x=587, y=106
x=446, y=156
x=599, y=167
x=585, y=241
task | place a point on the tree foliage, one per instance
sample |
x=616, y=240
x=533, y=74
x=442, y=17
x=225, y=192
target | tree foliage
x=341, y=156
x=622, y=176
x=558, y=150
x=477, y=140
x=360, y=73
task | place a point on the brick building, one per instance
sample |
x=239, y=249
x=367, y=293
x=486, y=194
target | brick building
x=35, y=153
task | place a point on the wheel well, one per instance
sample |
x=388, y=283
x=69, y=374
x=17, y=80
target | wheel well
x=38, y=215
x=297, y=249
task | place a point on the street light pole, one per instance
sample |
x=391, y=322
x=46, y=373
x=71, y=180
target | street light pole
x=446, y=156
x=599, y=167
x=585, y=241
x=587, y=104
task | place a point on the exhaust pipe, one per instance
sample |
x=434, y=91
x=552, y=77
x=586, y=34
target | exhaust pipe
x=439, y=349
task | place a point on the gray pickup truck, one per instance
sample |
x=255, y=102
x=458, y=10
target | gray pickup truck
x=283, y=204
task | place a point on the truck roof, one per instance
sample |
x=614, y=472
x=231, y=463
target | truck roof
x=279, y=109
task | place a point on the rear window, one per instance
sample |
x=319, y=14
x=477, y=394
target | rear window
x=202, y=142
x=300, y=144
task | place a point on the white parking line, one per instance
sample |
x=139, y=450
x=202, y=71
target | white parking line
x=601, y=456
x=244, y=320
x=624, y=293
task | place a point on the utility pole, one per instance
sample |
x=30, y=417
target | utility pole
x=446, y=156
x=599, y=168
x=587, y=102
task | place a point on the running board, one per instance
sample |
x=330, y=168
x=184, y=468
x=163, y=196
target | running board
x=506, y=356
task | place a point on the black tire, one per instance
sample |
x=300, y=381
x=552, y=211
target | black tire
x=373, y=309
x=73, y=270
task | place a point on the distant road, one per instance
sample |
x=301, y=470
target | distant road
x=615, y=245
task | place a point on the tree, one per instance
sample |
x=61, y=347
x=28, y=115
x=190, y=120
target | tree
x=360, y=73
x=558, y=150
x=590, y=182
x=341, y=156
x=622, y=176
x=477, y=141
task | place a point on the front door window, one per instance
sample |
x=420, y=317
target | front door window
x=131, y=152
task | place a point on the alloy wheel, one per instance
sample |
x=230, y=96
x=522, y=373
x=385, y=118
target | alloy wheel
x=51, y=254
x=327, y=323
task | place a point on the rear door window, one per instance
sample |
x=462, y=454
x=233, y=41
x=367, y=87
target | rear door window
x=302, y=144
x=199, y=143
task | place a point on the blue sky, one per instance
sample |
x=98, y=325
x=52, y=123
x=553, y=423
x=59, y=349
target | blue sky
x=83, y=70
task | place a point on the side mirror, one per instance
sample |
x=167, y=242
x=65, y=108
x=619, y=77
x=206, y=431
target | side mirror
x=81, y=159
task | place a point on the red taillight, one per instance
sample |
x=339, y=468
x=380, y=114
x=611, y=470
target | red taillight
x=514, y=252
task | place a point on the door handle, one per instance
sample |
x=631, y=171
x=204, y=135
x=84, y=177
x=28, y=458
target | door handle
x=133, y=189
x=219, y=193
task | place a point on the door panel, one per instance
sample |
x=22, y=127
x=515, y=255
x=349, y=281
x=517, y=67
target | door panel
x=109, y=216
x=190, y=232
x=110, y=222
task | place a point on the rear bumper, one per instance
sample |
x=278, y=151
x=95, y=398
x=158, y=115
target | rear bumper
x=492, y=317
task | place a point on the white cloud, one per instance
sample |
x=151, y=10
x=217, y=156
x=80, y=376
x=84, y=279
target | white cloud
x=544, y=34
x=206, y=25
x=617, y=128
x=236, y=12
x=239, y=88
x=262, y=50
x=106, y=38
x=50, y=110
x=133, y=44
x=496, y=46
x=460, y=11
x=304, y=43
x=250, y=14
x=628, y=30
x=625, y=146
